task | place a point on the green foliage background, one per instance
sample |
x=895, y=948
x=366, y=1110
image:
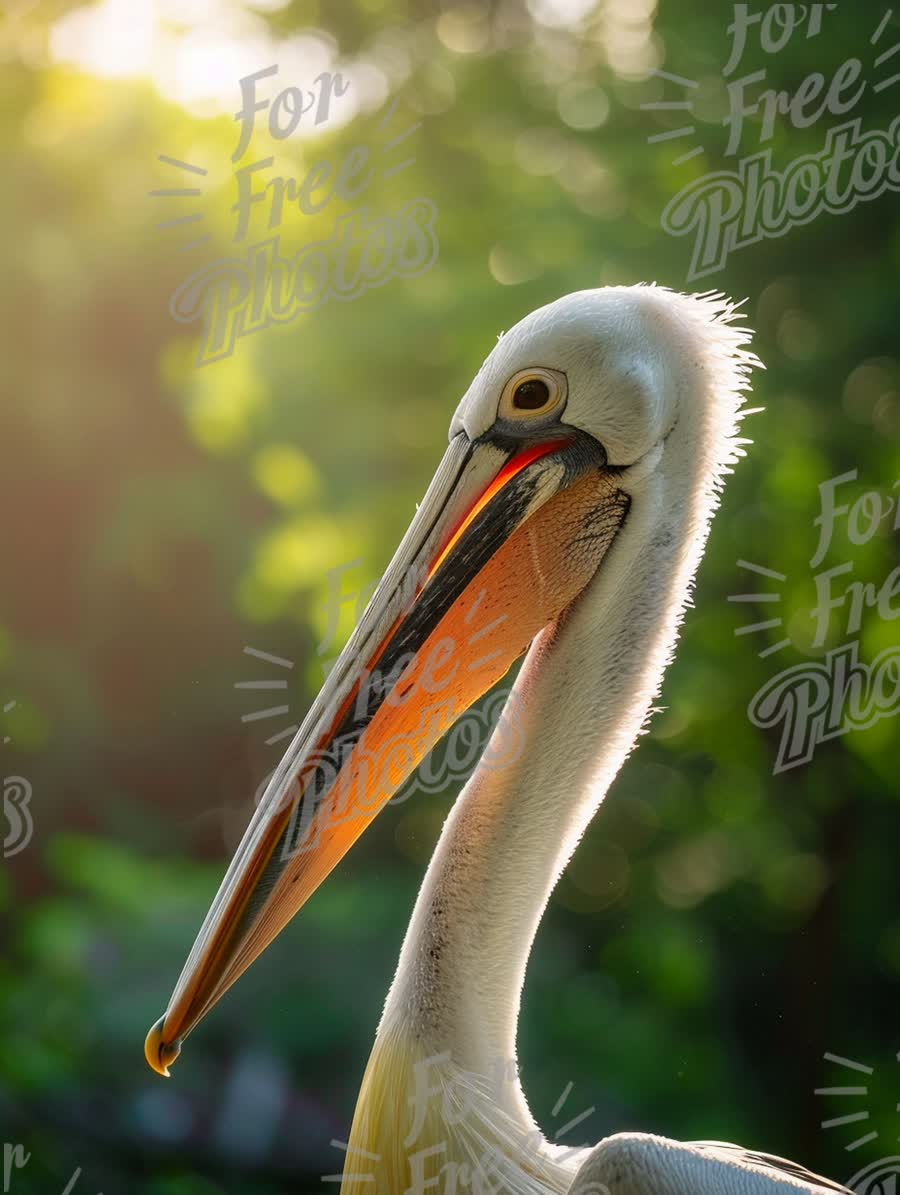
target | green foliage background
x=721, y=928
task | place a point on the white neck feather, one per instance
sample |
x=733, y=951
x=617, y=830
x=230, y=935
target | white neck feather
x=579, y=703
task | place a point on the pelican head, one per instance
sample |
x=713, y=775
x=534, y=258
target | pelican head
x=576, y=424
x=598, y=362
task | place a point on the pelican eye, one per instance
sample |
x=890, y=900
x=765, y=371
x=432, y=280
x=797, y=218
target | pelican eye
x=533, y=392
x=531, y=395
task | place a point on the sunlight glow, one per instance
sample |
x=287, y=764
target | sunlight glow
x=196, y=51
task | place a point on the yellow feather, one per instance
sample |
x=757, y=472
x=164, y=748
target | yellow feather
x=423, y=1125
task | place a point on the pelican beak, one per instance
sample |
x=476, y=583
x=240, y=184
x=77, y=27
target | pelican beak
x=505, y=539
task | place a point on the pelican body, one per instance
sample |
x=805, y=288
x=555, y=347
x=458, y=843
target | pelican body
x=565, y=523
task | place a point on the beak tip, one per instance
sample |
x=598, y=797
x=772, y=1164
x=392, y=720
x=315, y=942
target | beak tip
x=159, y=1053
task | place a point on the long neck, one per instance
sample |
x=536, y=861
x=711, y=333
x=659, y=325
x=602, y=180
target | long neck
x=578, y=705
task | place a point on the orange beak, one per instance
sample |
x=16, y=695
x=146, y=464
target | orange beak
x=504, y=541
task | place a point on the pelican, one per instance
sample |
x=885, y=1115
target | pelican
x=566, y=520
